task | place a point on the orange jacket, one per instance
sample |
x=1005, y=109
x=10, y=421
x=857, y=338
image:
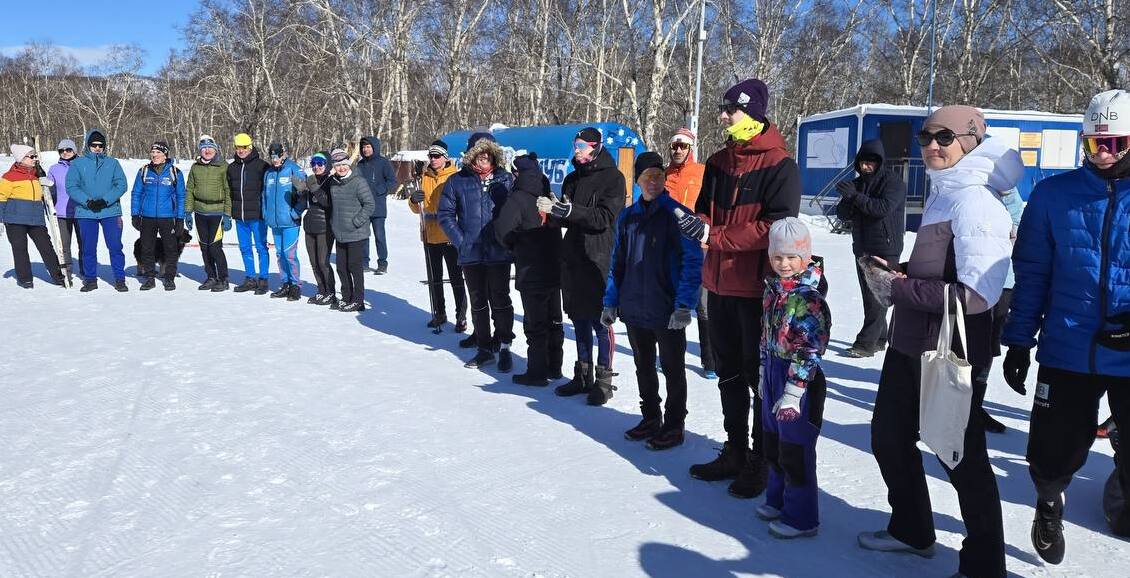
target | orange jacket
x=432, y=184
x=685, y=181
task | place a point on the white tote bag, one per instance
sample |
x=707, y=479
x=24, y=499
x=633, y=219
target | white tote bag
x=947, y=391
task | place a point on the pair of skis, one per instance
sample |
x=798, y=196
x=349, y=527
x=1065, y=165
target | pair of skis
x=53, y=231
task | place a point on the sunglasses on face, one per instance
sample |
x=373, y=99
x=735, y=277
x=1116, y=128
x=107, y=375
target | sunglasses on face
x=1114, y=145
x=317, y=163
x=33, y=156
x=61, y=151
x=435, y=156
x=944, y=137
x=97, y=145
x=242, y=148
x=680, y=146
x=728, y=108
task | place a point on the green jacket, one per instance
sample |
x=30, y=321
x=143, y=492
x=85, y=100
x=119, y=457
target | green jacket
x=207, y=189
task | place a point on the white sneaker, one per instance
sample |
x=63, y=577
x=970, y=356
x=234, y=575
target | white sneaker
x=882, y=541
x=767, y=512
x=779, y=529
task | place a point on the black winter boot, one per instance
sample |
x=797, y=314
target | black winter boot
x=220, y=286
x=148, y=284
x=89, y=285
x=120, y=286
x=582, y=381
x=602, y=391
x=751, y=481
x=727, y=465
x=505, y=360
x=282, y=292
x=207, y=284
x=647, y=427
x=249, y=284
x=294, y=294
x=261, y=287
x=669, y=436
x=481, y=359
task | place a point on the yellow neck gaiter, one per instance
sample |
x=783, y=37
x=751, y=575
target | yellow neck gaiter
x=745, y=129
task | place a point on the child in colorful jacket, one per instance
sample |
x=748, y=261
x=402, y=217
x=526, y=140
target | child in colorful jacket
x=795, y=326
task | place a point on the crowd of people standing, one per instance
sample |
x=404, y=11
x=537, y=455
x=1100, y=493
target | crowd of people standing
x=720, y=239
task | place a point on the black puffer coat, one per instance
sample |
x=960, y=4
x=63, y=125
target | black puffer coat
x=534, y=242
x=597, y=191
x=315, y=220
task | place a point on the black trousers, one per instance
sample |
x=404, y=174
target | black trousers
x=151, y=228
x=351, y=270
x=672, y=356
x=435, y=255
x=489, y=288
x=545, y=338
x=318, y=247
x=18, y=236
x=67, y=228
x=1062, y=430
x=875, y=325
x=706, y=350
x=212, y=245
x=894, y=434
x=735, y=333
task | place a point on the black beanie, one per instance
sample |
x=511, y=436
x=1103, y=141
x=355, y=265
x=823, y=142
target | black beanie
x=96, y=137
x=648, y=160
x=590, y=134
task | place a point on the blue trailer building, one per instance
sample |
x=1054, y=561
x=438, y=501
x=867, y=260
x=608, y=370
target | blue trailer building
x=554, y=147
x=826, y=146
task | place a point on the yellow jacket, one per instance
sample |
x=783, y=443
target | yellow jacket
x=432, y=185
x=21, y=197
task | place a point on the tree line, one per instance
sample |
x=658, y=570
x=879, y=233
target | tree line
x=317, y=73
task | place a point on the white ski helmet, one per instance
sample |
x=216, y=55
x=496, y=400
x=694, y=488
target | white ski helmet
x=1108, y=114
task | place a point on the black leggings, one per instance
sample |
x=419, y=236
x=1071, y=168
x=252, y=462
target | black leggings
x=212, y=245
x=18, y=236
x=151, y=228
x=351, y=270
x=318, y=247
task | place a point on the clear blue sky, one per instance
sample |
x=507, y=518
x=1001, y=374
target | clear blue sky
x=82, y=27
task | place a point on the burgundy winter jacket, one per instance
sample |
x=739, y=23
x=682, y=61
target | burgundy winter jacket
x=746, y=187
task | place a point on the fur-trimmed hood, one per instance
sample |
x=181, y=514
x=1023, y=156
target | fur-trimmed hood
x=485, y=146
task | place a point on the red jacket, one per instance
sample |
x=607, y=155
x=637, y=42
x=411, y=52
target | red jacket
x=746, y=187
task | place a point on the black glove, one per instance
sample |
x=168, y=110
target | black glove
x=136, y=221
x=1015, y=368
x=96, y=205
x=417, y=196
x=878, y=279
x=690, y=226
x=846, y=189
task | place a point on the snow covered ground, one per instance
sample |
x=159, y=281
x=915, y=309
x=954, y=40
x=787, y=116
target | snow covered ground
x=199, y=434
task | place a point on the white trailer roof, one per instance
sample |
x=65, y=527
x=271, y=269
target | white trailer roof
x=861, y=110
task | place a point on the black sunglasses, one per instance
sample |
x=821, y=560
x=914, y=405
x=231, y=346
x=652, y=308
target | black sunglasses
x=61, y=151
x=435, y=156
x=944, y=137
x=728, y=108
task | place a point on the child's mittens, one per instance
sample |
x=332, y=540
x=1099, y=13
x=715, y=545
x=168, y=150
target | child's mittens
x=878, y=280
x=787, y=407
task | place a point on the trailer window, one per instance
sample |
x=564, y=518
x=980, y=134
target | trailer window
x=1060, y=149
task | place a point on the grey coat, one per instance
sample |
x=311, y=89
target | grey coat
x=352, y=208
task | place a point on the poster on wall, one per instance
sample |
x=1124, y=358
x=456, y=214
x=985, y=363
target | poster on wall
x=827, y=149
x=1008, y=134
x=1060, y=149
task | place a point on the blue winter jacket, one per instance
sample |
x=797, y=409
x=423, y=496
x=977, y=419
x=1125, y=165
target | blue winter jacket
x=467, y=208
x=282, y=204
x=158, y=195
x=1072, y=262
x=379, y=175
x=654, y=269
x=96, y=176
